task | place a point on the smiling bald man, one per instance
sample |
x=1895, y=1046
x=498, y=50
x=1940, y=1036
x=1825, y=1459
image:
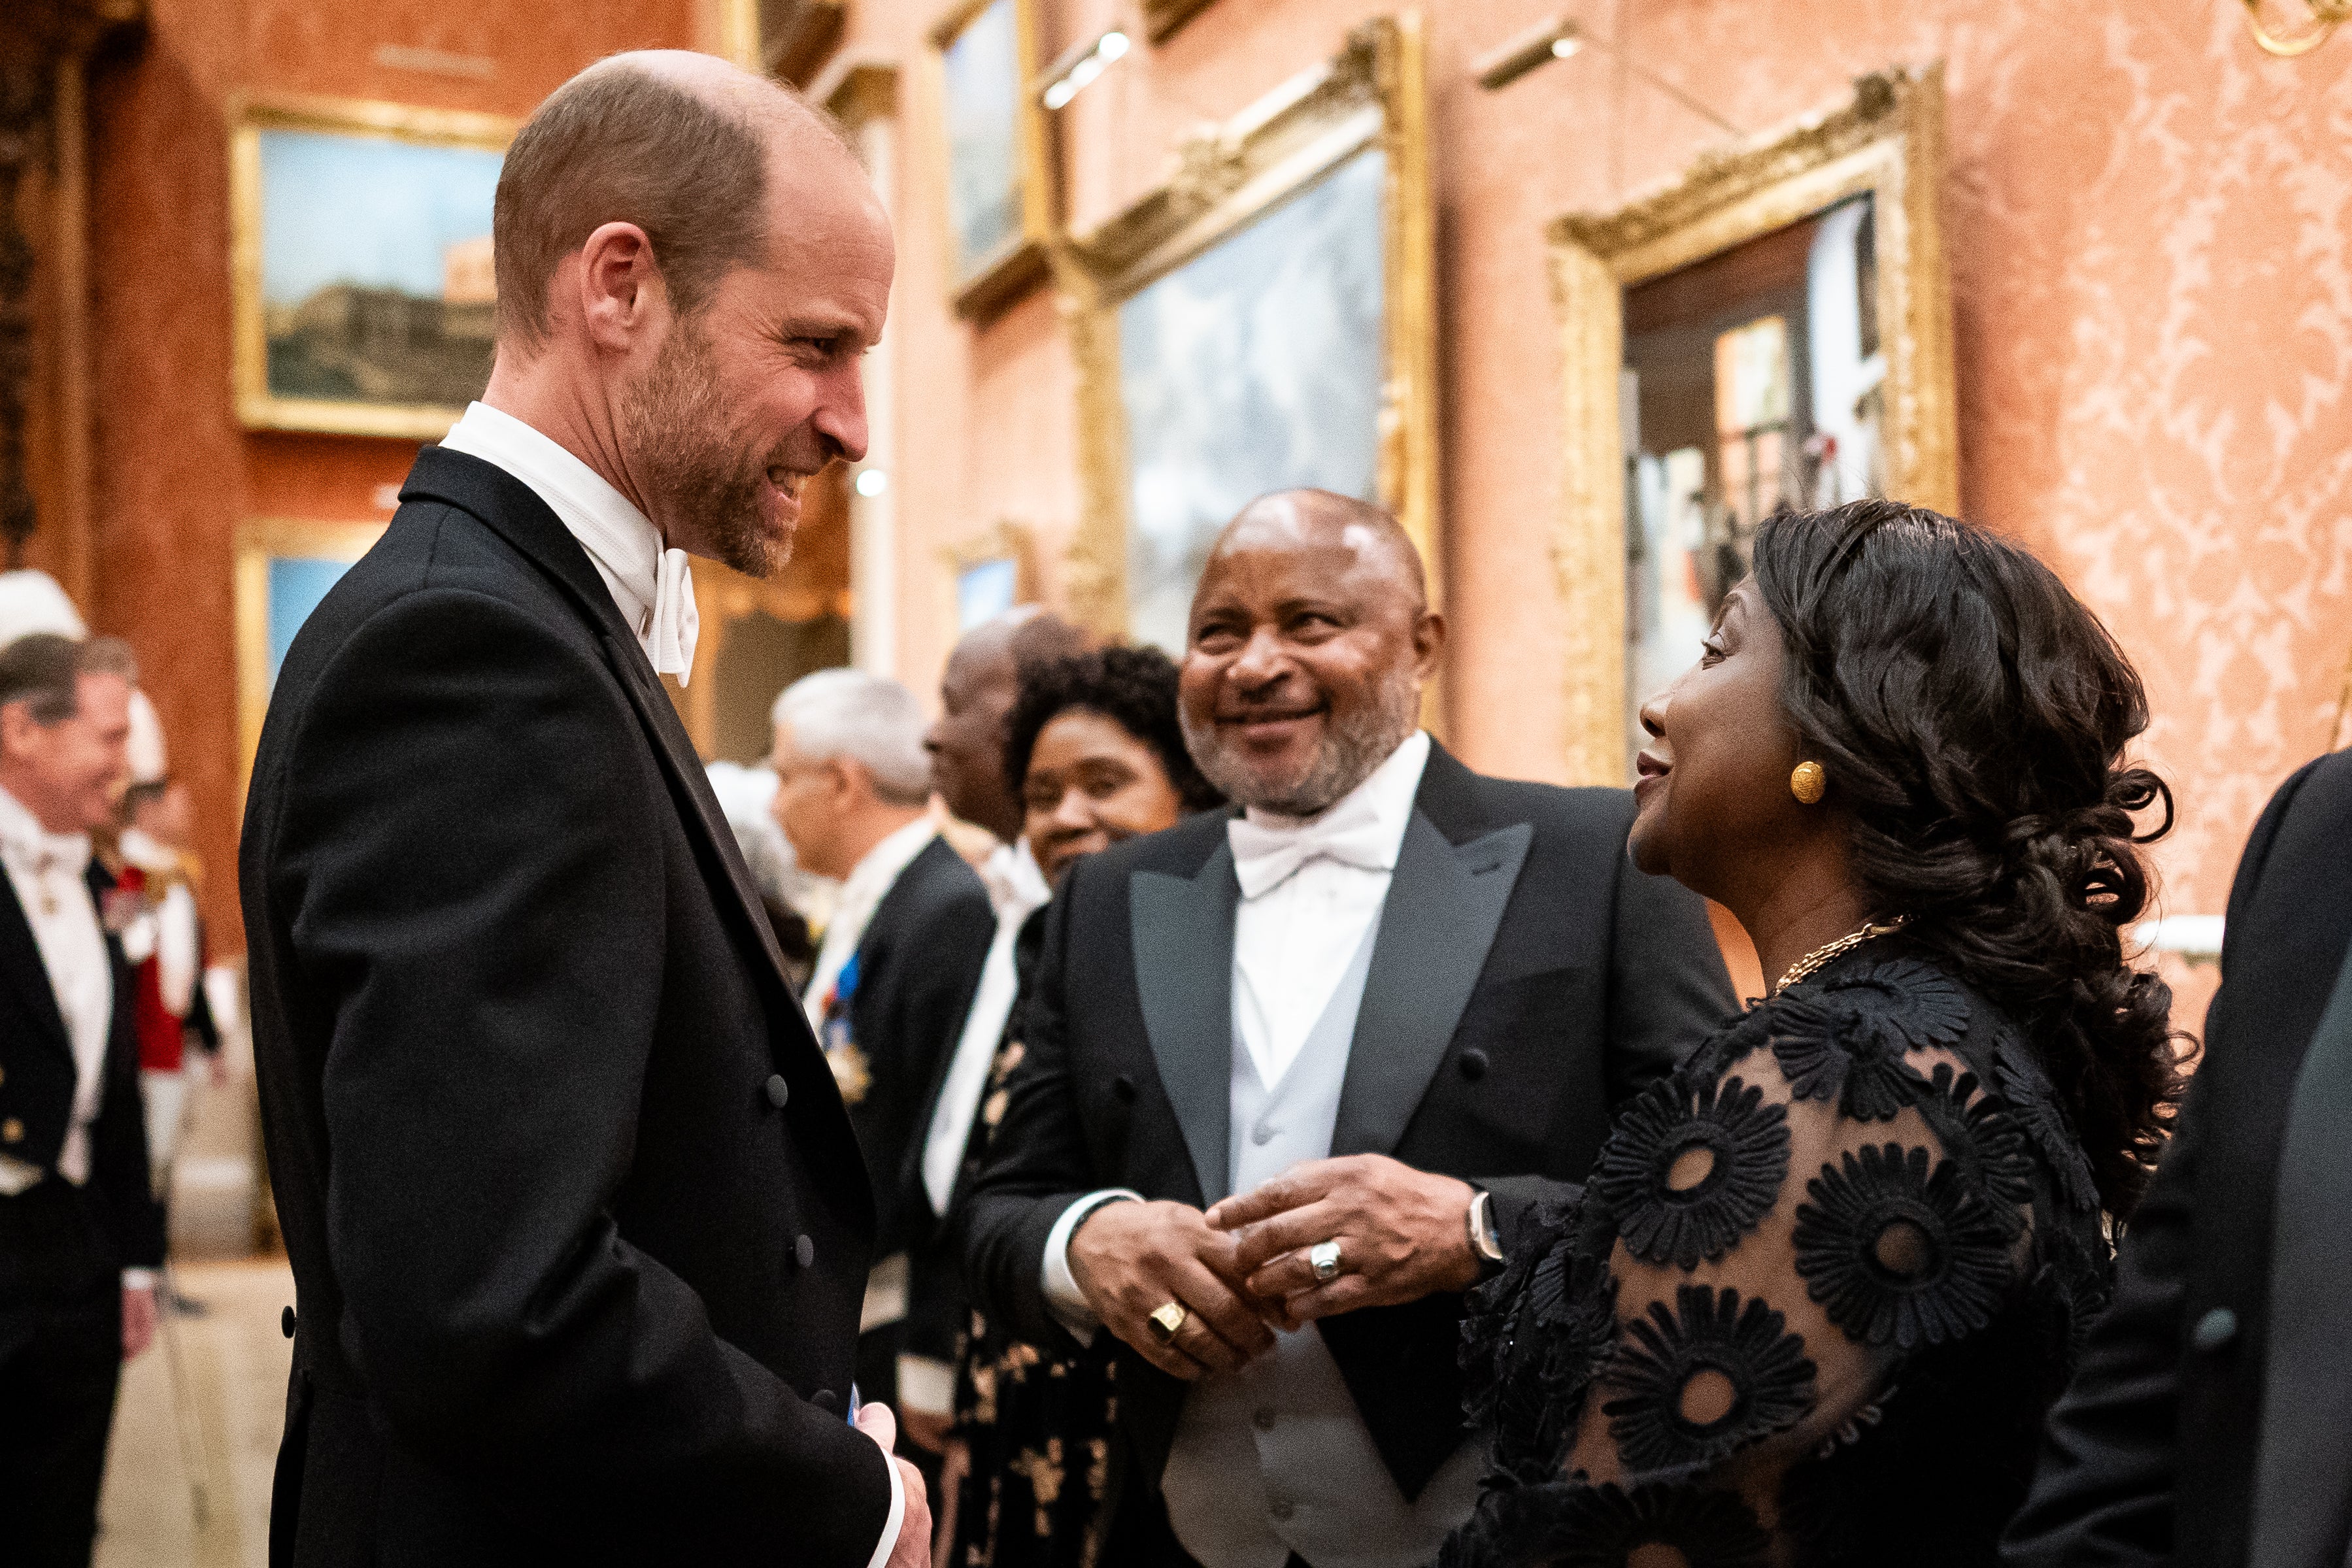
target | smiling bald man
x=579, y=1228
x=1295, y=1071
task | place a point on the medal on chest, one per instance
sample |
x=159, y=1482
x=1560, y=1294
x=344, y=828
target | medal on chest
x=852, y=1073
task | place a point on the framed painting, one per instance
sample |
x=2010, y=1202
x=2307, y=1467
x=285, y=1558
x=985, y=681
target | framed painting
x=1261, y=322
x=999, y=195
x=284, y=567
x=994, y=572
x=1773, y=331
x=364, y=294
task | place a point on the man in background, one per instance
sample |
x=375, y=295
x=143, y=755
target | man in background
x=967, y=747
x=80, y=1235
x=901, y=958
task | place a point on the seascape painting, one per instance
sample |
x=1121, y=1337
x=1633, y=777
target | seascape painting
x=377, y=280
x=984, y=81
x=1257, y=366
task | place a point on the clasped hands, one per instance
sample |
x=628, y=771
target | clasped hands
x=1240, y=1271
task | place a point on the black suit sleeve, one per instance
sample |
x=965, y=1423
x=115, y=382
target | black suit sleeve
x=1667, y=989
x=1036, y=1165
x=487, y=921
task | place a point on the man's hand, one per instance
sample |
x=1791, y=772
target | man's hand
x=1403, y=1234
x=138, y=1320
x=913, y=1547
x=1131, y=1259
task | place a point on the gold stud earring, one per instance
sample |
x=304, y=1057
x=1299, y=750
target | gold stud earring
x=1809, y=783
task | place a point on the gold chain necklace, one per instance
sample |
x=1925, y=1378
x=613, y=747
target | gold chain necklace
x=1814, y=960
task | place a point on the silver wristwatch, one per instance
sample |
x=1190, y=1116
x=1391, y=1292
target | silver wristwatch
x=1483, y=1239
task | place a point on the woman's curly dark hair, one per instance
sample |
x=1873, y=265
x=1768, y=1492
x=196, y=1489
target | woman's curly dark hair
x=1135, y=688
x=1973, y=715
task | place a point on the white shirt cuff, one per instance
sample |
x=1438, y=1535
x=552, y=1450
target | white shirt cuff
x=1063, y=1297
x=138, y=1279
x=897, y=1515
x=927, y=1385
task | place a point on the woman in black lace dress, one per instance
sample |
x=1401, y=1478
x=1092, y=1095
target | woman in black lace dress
x=1824, y=1283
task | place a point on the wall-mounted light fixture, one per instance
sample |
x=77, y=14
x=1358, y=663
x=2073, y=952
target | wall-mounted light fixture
x=1068, y=77
x=2327, y=15
x=1559, y=39
x=1554, y=40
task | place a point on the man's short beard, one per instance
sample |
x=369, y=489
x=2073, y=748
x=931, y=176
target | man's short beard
x=682, y=445
x=1352, y=748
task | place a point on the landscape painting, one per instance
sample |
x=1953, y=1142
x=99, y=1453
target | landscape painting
x=368, y=296
x=1256, y=366
x=994, y=218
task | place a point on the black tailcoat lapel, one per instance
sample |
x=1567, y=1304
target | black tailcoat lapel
x=516, y=513
x=1444, y=906
x=21, y=966
x=1184, y=973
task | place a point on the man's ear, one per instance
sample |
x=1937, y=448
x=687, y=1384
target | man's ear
x=16, y=727
x=1428, y=645
x=620, y=286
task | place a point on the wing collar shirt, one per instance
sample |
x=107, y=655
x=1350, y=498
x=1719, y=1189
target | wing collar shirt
x=47, y=870
x=1311, y=890
x=653, y=587
x=862, y=892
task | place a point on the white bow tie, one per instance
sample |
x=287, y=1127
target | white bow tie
x=1351, y=833
x=676, y=623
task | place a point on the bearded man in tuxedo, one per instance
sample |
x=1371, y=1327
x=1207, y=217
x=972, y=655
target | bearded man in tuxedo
x=1295, y=1072
x=578, y=1226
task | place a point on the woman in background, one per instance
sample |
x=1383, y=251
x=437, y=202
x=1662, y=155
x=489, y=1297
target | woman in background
x=1825, y=1282
x=1094, y=752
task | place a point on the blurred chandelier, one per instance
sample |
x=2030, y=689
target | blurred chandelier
x=2327, y=15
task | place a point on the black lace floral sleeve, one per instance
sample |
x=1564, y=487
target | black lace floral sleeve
x=1813, y=1302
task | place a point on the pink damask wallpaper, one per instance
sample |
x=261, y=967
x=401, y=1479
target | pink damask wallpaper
x=2150, y=228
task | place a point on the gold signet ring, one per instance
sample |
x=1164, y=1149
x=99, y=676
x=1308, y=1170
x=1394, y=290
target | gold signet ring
x=1167, y=1322
x=1324, y=1259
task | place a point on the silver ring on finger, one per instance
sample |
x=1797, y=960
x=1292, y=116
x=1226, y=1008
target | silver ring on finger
x=1324, y=1259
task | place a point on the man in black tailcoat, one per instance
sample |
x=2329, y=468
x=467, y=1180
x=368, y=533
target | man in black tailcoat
x=80, y=1233
x=2210, y=1422
x=1388, y=1004
x=579, y=1228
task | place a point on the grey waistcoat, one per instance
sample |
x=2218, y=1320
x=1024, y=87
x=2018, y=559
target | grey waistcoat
x=1275, y=1458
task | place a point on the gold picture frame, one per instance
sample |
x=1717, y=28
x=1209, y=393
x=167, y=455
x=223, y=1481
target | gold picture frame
x=1888, y=141
x=1371, y=95
x=998, y=271
x=261, y=605
x=993, y=572
x=363, y=121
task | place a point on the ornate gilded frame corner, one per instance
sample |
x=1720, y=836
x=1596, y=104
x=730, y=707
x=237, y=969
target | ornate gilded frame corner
x=1021, y=265
x=258, y=542
x=256, y=407
x=1372, y=93
x=1888, y=140
x=1161, y=18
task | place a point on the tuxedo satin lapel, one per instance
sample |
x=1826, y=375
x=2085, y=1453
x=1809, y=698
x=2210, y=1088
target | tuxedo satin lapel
x=2303, y=1468
x=1446, y=902
x=1182, y=934
x=21, y=966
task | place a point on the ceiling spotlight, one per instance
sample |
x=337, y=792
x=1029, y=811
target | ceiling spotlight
x=1553, y=41
x=1070, y=75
